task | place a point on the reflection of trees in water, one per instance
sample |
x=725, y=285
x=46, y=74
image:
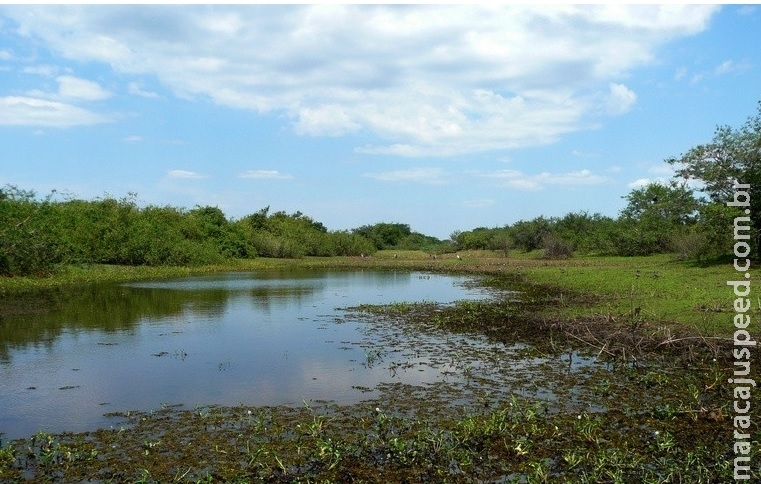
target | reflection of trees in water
x=40, y=320
x=110, y=308
x=273, y=298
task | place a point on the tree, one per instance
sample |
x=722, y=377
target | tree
x=500, y=240
x=530, y=235
x=476, y=239
x=732, y=155
x=384, y=235
x=653, y=216
x=26, y=245
x=586, y=233
x=673, y=204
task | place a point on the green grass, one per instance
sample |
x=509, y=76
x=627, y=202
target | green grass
x=656, y=289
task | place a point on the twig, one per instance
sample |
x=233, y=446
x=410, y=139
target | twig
x=602, y=349
x=674, y=340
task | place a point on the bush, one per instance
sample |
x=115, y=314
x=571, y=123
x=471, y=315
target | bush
x=530, y=235
x=634, y=238
x=352, y=244
x=556, y=248
x=26, y=245
x=268, y=245
x=689, y=246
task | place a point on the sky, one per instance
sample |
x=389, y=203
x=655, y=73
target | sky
x=442, y=117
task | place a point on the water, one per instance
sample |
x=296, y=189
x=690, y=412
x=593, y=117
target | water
x=274, y=338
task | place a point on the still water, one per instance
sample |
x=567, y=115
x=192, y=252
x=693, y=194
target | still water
x=274, y=338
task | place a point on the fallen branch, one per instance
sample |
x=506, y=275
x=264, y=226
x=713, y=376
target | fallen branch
x=601, y=348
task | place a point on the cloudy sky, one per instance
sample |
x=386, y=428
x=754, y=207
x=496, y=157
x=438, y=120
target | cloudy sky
x=442, y=117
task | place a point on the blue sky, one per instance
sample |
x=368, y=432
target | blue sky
x=442, y=117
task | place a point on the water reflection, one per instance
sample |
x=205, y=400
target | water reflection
x=254, y=338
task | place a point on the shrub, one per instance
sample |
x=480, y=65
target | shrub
x=268, y=245
x=26, y=245
x=352, y=244
x=556, y=248
x=689, y=246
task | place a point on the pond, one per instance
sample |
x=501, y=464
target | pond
x=261, y=338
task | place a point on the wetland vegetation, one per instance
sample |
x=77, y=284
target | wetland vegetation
x=566, y=382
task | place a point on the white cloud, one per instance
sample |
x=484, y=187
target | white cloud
x=41, y=70
x=133, y=139
x=191, y=175
x=582, y=177
x=747, y=10
x=662, y=169
x=32, y=111
x=325, y=120
x=729, y=66
x=435, y=176
x=620, y=99
x=428, y=80
x=54, y=109
x=643, y=182
x=725, y=67
x=5, y=55
x=70, y=87
x=518, y=180
x=136, y=89
x=585, y=154
x=264, y=175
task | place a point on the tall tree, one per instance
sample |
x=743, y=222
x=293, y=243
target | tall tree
x=654, y=214
x=733, y=155
x=673, y=204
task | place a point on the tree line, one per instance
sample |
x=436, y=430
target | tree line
x=687, y=216
x=37, y=234
x=658, y=218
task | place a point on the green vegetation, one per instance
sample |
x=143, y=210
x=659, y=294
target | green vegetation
x=658, y=219
x=397, y=236
x=733, y=154
x=38, y=235
x=517, y=442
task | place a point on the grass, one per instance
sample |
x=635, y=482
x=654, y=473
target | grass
x=655, y=289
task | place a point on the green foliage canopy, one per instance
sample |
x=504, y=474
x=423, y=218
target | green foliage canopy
x=734, y=154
